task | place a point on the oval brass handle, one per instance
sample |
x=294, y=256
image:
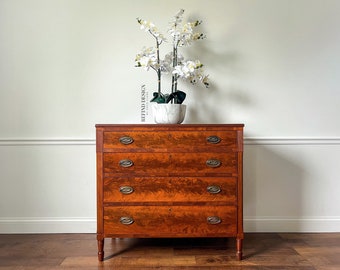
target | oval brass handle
x=213, y=163
x=213, y=139
x=214, y=189
x=126, y=140
x=126, y=163
x=126, y=190
x=126, y=220
x=214, y=220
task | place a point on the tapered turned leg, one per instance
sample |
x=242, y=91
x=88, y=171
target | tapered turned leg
x=239, y=248
x=100, y=249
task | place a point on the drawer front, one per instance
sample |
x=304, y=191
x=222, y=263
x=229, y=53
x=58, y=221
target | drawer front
x=170, y=221
x=160, y=189
x=165, y=164
x=162, y=140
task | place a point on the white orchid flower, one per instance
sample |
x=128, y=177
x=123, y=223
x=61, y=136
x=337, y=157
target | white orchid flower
x=182, y=34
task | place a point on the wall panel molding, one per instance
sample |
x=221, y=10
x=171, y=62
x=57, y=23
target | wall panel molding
x=46, y=141
x=292, y=141
x=247, y=141
x=257, y=223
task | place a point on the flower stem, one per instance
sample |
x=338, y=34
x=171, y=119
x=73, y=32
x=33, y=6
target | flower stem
x=174, y=76
x=158, y=69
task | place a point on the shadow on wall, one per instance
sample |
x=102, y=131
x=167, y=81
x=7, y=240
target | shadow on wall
x=216, y=105
x=273, y=189
x=227, y=70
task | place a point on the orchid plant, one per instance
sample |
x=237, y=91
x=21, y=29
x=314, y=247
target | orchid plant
x=182, y=34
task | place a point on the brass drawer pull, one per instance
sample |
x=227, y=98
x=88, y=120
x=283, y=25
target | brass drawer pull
x=126, y=190
x=213, y=163
x=213, y=139
x=126, y=140
x=214, y=189
x=214, y=220
x=126, y=220
x=125, y=163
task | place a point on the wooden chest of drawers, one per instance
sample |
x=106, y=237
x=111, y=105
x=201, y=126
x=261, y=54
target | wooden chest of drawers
x=169, y=181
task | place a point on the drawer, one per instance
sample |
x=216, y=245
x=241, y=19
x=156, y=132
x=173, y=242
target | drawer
x=163, y=221
x=166, y=164
x=163, y=141
x=160, y=189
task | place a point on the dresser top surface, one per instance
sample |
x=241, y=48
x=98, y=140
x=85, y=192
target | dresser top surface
x=169, y=126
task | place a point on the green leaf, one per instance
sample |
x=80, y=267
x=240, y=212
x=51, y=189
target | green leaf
x=158, y=97
x=178, y=97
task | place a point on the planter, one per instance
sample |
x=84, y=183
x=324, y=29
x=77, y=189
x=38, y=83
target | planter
x=165, y=113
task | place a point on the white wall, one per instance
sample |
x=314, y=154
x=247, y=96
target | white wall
x=66, y=65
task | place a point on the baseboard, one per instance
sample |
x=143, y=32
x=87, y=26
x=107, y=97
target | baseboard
x=292, y=224
x=88, y=225
x=47, y=225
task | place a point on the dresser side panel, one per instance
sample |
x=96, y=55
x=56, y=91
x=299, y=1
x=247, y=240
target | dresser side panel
x=240, y=233
x=99, y=160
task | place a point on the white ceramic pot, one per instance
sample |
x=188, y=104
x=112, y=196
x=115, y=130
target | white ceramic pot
x=166, y=113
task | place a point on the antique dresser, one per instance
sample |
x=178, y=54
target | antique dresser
x=169, y=181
